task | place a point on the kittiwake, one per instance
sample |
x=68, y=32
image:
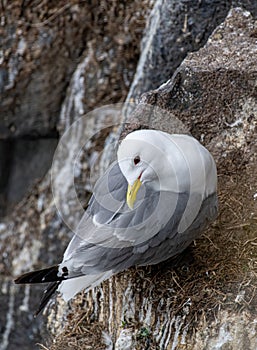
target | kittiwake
x=147, y=207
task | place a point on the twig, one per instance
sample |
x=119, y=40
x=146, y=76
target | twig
x=214, y=245
x=237, y=226
x=249, y=240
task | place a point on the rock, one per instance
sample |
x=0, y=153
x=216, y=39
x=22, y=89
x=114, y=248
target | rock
x=229, y=331
x=23, y=162
x=33, y=235
x=221, y=110
x=206, y=299
x=40, y=50
x=199, y=300
x=174, y=29
x=31, y=160
x=27, y=240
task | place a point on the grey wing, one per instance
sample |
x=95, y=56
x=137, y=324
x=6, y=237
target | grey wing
x=175, y=244
x=110, y=236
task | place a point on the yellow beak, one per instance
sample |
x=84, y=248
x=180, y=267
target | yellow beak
x=132, y=193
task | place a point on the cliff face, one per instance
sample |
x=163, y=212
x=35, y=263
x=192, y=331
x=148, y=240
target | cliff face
x=207, y=299
x=42, y=45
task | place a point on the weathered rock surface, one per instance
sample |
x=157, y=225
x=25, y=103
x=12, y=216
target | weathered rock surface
x=41, y=45
x=207, y=299
x=174, y=29
x=55, y=37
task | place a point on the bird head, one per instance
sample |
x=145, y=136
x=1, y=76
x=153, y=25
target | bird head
x=175, y=163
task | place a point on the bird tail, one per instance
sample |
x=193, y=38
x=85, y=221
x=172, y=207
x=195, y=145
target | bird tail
x=50, y=274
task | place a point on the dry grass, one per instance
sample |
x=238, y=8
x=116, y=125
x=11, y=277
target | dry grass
x=80, y=332
x=212, y=273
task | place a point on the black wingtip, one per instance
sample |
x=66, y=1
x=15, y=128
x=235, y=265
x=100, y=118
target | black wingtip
x=48, y=292
x=49, y=274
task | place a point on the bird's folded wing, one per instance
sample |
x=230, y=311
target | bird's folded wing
x=116, y=239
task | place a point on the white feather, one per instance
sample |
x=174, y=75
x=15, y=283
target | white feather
x=71, y=287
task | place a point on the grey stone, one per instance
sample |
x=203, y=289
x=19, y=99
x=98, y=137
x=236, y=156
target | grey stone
x=30, y=162
x=213, y=93
x=174, y=29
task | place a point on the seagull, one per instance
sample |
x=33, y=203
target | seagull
x=147, y=207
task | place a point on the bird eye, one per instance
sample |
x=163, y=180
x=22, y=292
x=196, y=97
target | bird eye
x=136, y=160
